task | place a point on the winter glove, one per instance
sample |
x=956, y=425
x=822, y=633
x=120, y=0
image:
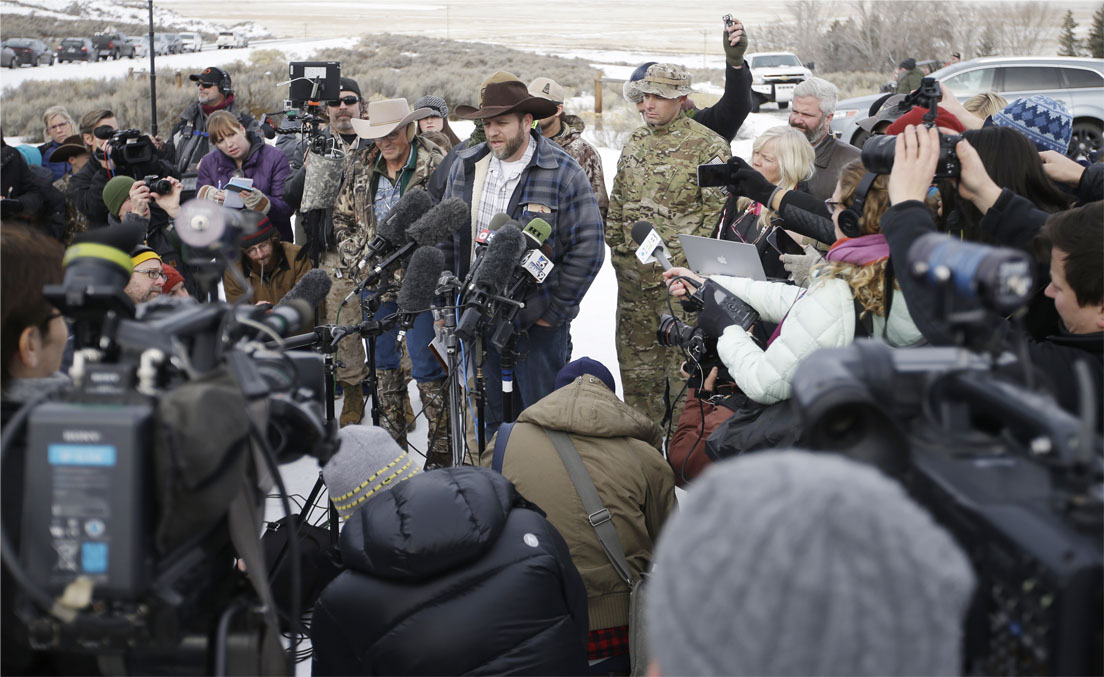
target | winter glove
x=208, y=193
x=724, y=309
x=734, y=54
x=799, y=265
x=752, y=184
x=256, y=201
x=10, y=207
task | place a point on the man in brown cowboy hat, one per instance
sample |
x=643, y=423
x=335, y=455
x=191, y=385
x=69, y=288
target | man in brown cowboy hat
x=376, y=177
x=519, y=172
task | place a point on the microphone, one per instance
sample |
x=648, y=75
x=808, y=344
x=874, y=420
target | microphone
x=485, y=235
x=536, y=233
x=392, y=231
x=652, y=247
x=498, y=263
x=419, y=286
x=312, y=288
x=433, y=227
x=536, y=261
x=294, y=313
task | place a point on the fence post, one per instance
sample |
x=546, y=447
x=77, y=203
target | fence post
x=179, y=79
x=130, y=73
x=598, y=94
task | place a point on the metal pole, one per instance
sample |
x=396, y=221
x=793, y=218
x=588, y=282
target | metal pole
x=153, y=75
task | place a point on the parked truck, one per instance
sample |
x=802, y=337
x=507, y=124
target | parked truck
x=112, y=45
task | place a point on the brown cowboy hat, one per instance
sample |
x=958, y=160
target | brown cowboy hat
x=70, y=147
x=513, y=96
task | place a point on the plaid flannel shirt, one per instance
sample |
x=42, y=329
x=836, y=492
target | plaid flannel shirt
x=555, y=188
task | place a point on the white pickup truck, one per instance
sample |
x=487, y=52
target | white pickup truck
x=774, y=76
x=231, y=40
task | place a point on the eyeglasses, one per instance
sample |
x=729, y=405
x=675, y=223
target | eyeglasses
x=258, y=248
x=58, y=126
x=347, y=100
x=152, y=274
x=206, y=85
x=831, y=205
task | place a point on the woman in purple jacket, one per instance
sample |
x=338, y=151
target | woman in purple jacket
x=239, y=153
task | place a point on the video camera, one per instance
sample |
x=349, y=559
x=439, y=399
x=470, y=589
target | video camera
x=1016, y=479
x=310, y=85
x=878, y=151
x=131, y=151
x=146, y=477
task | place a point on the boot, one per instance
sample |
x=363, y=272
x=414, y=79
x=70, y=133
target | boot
x=352, y=411
x=435, y=405
x=392, y=394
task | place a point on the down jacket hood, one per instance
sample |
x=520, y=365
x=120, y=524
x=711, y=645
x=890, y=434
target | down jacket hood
x=587, y=407
x=430, y=524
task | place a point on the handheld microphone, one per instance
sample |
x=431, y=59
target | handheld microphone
x=536, y=233
x=652, y=247
x=419, y=286
x=485, y=235
x=499, y=261
x=536, y=261
x=391, y=232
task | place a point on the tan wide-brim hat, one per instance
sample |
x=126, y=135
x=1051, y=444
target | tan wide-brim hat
x=386, y=116
x=500, y=98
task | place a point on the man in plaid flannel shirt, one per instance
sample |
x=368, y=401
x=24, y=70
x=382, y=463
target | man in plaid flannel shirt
x=520, y=173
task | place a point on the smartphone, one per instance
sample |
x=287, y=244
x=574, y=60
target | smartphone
x=783, y=243
x=233, y=187
x=714, y=175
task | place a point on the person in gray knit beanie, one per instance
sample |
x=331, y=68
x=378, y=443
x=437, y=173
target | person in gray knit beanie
x=795, y=563
x=368, y=462
x=436, y=127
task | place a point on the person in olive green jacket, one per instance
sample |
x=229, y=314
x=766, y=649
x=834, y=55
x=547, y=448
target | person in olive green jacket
x=620, y=448
x=268, y=264
x=908, y=76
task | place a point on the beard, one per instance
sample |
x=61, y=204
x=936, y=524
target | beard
x=342, y=124
x=816, y=133
x=511, y=146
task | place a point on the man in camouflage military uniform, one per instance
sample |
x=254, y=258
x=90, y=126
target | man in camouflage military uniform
x=376, y=177
x=657, y=181
x=567, y=131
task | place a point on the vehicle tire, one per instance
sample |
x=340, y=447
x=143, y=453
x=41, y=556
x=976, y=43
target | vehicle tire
x=783, y=105
x=115, y=55
x=756, y=101
x=1086, y=136
x=34, y=63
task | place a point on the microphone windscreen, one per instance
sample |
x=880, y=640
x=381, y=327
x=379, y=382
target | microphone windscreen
x=419, y=285
x=539, y=230
x=124, y=237
x=499, y=220
x=305, y=311
x=640, y=231
x=447, y=217
x=500, y=259
x=410, y=207
x=312, y=288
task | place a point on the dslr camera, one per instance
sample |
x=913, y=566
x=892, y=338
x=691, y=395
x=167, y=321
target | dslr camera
x=157, y=184
x=878, y=151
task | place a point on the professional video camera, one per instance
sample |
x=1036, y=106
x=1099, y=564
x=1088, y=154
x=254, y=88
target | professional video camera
x=146, y=478
x=1016, y=479
x=878, y=151
x=310, y=85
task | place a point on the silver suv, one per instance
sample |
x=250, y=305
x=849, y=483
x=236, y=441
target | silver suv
x=1077, y=83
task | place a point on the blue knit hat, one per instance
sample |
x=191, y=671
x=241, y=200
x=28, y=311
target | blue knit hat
x=584, y=365
x=630, y=90
x=31, y=154
x=1045, y=122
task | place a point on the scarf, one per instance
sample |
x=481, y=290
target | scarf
x=207, y=110
x=860, y=251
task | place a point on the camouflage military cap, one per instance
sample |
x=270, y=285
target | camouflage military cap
x=667, y=80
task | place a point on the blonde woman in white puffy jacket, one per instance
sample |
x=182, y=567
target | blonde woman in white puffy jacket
x=824, y=314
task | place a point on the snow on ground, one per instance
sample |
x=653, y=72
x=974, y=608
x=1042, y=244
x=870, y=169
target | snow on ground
x=129, y=12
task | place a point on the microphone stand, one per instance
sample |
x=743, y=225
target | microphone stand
x=507, y=360
x=480, y=396
x=450, y=285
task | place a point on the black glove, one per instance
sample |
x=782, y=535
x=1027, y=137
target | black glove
x=752, y=184
x=10, y=207
x=724, y=309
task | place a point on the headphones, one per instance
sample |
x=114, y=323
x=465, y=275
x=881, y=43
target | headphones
x=848, y=219
x=224, y=84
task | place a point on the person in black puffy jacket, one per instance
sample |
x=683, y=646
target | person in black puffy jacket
x=451, y=572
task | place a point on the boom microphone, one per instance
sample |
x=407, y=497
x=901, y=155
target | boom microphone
x=438, y=223
x=312, y=288
x=652, y=247
x=490, y=279
x=391, y=232
x=419, y=285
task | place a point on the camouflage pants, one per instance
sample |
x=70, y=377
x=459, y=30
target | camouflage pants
x=393, y=398
x=350, y=350
x=645, y=365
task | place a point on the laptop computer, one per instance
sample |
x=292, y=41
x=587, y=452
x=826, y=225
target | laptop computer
x=706, y=256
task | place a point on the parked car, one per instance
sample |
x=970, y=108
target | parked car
x=231, y=40
x=141, y=46
x=1078, y=83
x=8, y=60
x=75, y=49
x=29, y=50
x=174, y=42
x=774, y=76
x=191, y=42
x=112, y=45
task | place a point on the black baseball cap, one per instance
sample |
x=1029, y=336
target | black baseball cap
x=210, y=75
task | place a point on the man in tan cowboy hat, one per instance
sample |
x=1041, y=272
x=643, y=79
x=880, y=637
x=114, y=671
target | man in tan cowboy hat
x=519, y=172
x=376, y=177
x=657, y=182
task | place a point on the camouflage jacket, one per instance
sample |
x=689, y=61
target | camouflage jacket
x=657, y=181
x=571, y=139
x=75, y=220
x=354, y=220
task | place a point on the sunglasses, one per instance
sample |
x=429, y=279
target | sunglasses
x=347, y=100
x=206, y=85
